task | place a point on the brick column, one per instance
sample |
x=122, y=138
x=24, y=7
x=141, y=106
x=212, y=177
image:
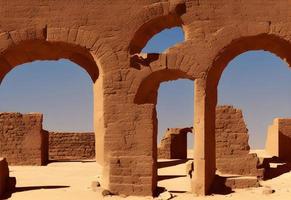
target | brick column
x=204, y=129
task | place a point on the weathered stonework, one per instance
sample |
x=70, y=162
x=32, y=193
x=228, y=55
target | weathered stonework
x=279, y=139
x=71, y=146
x=232, y=148
x=106, y=37
x=174, y=144
x=22, y=140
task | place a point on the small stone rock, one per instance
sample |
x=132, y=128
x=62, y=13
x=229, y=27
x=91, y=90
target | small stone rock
x=165, y=196
x=106, y=193
x=268, y=190
x=95, y=185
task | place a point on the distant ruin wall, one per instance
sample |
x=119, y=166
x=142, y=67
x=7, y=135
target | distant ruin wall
x=22, y=140
x=279, y=139
x=71, y=146
x=174, y=144
x=232, y=148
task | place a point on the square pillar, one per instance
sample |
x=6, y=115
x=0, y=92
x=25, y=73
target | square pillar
x=205, y=100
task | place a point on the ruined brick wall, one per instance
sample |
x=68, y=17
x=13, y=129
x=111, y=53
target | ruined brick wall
x=71, y=146
x=22, y=140
x=174, y=144
x=279, y=139
x=232, y=148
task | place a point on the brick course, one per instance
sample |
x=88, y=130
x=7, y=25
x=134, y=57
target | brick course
x=22, y=140
x=71, y=146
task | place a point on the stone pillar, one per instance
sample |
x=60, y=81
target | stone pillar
x=99, y=129
x=204, y=129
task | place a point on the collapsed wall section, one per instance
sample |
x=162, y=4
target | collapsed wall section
x=232, y=149
x=71, y=146
x=22, y=140
x=174, y=144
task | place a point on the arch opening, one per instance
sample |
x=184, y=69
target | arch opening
x=262, y=44
x=257, y=83
x=165, y=39
x=155, y=26
x=61, y=83
x=28, y=51
x=175, y=113
x=148, y=89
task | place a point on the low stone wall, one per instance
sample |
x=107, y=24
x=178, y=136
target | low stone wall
x=71, y=146
x=279, y=139
x=22, y=140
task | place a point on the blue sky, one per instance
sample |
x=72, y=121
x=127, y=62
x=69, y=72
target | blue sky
x=257, y=82
x=61, y=90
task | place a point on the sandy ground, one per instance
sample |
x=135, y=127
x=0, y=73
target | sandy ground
x=72, y=180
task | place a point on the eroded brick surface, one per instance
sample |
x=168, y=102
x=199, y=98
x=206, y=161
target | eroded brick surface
x=232, y=148
x=22, y=139
x=105, y=37
x=71, y=146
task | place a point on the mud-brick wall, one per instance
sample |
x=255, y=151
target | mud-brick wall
x=232, y=148
x=22, y=140
x=174, y=144
x=71, y=146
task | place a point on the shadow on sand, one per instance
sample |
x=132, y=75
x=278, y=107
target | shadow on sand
x=166, y=177
x=282, y=167
x=29, y=188
x=219, y=186
x=70, y=161
x=169, y=163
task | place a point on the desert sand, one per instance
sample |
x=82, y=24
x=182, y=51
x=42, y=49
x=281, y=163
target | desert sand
x=72, y=180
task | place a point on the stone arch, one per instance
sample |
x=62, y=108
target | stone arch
x=174, y=143
x=267, y=42
x=156, y=25
x=15, y=53
x=146, y=98
x=28, y=51
x=148, y=88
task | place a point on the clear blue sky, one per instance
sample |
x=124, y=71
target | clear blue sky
x=61, y=90
x=257, y=82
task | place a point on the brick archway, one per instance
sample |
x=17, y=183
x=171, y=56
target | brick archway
x=20, y=52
